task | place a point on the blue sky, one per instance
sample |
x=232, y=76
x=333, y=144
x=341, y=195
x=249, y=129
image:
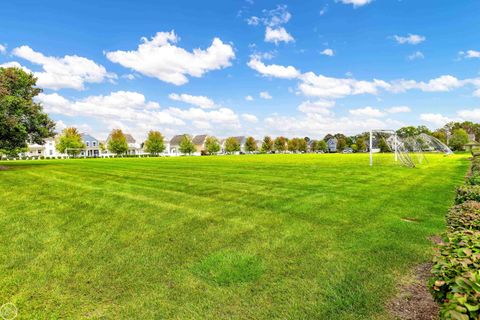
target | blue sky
x=248, y=67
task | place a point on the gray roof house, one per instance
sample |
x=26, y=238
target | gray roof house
x=199, y=142
x=92, y=145
x=332, y=144
x=175, y=143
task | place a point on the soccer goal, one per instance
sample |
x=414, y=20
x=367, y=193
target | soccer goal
x=408, y=151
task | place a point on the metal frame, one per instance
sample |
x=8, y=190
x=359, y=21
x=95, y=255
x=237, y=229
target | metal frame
x=395, y=143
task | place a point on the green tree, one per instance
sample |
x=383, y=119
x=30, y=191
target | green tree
x=267, y=144
x=292, y=145
x=354, y=147
x=302, y=145
x=408, y=131
x=458, y=139
x=117, y=142
x=328, y=137
x=280, y=144
x=232, y=145
x=251, y=144
x=383, y=146
x=70, y=141
x=322, y=146
x=440, y=134
x=22, y=120
x=155, y=143
x=361, y=145
x=186, y=145
x=211, y=145
x=341, y=144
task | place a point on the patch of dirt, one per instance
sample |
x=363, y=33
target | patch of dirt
x=436, y=239
x=3, y=168
x=414, y=302
x=407, y=219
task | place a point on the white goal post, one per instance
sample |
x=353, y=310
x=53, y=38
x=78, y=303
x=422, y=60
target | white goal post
x=395, y=143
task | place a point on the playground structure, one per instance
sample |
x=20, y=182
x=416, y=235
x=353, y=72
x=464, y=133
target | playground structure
x=409, y=151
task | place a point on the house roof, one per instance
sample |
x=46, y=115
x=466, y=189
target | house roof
x=177, y=139
x=199, y=139
x=240, y=139
x=130, y=138
x=87, y=137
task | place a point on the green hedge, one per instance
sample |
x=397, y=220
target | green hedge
x=468, y=192
x=464, y=216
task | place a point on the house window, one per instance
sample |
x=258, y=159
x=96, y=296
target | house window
x=87, y=143
x=94, y=143
x=51, y=152
x=39, y=151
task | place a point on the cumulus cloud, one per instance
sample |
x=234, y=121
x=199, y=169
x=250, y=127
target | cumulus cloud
x=265, y=95
x=277, y=35
x=355, y=3
x=68, y=72
x=399, y=109
x=273, y=70
x=273, y=21
x=249, y=118
x=437, y=119
x=321, y=107
x=470, y=54
x=441, y=84
x=249, y=98
x=3, y=49
x=331, y=88
x=415, y=56
x=367, y=112
x=199, y=101
x=470, y=115
x=14, y=64
x=160, y=58
x=409, y=39
x=328, y=52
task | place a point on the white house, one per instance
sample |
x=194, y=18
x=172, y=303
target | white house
x=47, y=150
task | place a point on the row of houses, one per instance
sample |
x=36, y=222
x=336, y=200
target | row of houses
x=93, y=146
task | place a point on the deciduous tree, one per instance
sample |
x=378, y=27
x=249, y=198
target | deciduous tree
x=458, y=139
x=186, y=145
x=232, y=145
x=211, y=145
x=117, y=142
x=251, y=144
x=155, y=143
x=70, y=141
x=22, y=120
x=280, y=144
x=267, y=144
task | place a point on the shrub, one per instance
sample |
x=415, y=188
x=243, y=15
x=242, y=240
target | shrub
x=464, y=216
x=456, y=276
x=468, y=192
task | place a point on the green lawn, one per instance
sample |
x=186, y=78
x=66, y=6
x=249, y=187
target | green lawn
x=230, y=237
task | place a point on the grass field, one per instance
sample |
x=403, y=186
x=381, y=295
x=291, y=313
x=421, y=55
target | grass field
x=233, y=237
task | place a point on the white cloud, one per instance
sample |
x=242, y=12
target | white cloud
x=435, y=118
x=416, y=55
x=277, y=16
x=265, y=95
x=367, y=112
x=399, y=109
x=68, y=72
x=470, y=54
x=3, y=49
x=253, y=21
x=129, y=76
x=277, y=35
x=328, y=52
x=327, y=87
x=355, y=3
x=249, y=98
x=249, y=118
x=273, y=70
x=221, y=116
x=199, y=101
x=441, y=84
x=410, y=39
x=322, y=107
x=470, y=115
x=160, y=58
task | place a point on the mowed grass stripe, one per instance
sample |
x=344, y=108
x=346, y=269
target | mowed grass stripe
x=122, y=238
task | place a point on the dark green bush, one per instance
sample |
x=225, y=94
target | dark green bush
x=467, y=192
x=456, y=276
x=464, y=216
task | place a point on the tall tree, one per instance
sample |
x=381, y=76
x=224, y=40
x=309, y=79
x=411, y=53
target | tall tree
x=211, y=145
x=328, y=137
x=232, y=145
x=322, y=146
x=22, y=120
x=267, y=144
x=186, y=145
x=383, y=146
x=70, y=141
x=341, y=144
x=361, y=145
x=251, y=144
x=117, y=142
x=292, y=145
x=280, y=144
x=155, y=143
x=458, y=139
x=302, y=145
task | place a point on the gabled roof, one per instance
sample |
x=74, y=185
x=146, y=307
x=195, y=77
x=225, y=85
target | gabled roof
x=177, y=139
x=87, y=137
x=199, y=139
x=130, y=138
x=240, y=139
